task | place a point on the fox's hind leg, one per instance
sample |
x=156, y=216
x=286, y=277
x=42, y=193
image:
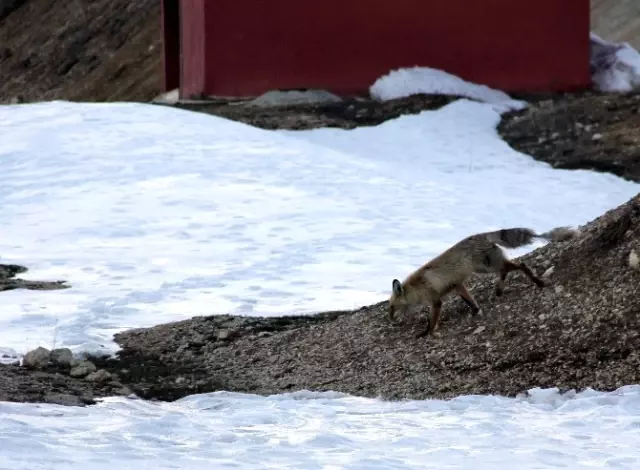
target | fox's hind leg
x=468, y=299
x=507, y=267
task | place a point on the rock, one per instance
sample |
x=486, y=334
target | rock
x=83, y=369
x=294, y=97
x=124, y=391
x=634, y=260
x=99, y=376
x=64, y=399
x=37, y=358
x=8, y=271
x=62, y=357
x=223, y=334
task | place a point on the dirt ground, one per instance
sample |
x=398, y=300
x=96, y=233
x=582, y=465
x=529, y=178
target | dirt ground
x=348, y=114
x=590, y=131
x=87, y=50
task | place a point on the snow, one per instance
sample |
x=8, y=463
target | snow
x=615, y=67
x=404, y=82
x=155, y=214
x=311, y=431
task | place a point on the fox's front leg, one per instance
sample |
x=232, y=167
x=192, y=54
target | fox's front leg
x=392, y=312
x=434, y=321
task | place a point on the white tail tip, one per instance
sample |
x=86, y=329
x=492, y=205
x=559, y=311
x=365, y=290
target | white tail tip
x=634, y=260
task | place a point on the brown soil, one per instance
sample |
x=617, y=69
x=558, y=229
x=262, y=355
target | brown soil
x=98, y=50
x=616, y=20
x=348, y=114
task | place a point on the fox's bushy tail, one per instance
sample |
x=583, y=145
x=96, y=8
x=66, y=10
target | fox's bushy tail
x=558, y=234
x=520, y=236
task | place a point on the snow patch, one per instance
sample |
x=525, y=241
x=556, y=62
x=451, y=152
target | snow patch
x=615, y=67
x=154, y=214
x=305, y=430
x=405, y=82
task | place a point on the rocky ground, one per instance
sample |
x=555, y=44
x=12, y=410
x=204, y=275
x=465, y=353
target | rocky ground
x=8, y=280
x=347, y=114
x=592, y=131
x=582, y=330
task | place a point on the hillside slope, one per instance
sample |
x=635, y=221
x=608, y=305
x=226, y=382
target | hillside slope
x=616, y=20
x=100, y=50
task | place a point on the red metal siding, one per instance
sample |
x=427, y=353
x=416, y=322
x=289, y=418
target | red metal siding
x=192, y=26
x=344, y=45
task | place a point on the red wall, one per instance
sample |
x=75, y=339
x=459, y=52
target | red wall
x=344, y=45
x=193, y=47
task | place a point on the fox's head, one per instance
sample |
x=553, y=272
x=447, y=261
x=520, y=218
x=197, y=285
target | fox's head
x=398, y=299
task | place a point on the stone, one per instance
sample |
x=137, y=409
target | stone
x=223, y=334
x=62, y=357
x=99, y=376
x=634, y=260
x=294, y=97
x=83, y=369
x=37, y=358
x=65, y=399
x=124, y=391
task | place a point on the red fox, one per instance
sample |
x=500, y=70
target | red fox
x=479, y=253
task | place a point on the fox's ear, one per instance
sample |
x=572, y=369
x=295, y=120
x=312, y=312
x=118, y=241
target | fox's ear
x=397, y=288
